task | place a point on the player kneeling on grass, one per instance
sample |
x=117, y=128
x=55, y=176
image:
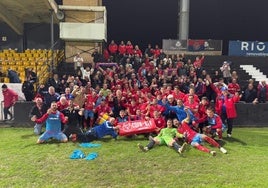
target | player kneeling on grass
x=97, y=132
x=165, y=137
x=53, y=120
x=195, y=139
x=215, y=125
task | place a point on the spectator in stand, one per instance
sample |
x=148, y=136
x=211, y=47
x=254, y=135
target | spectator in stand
x=202, y=113
x=38, y=110
x=191, y=92
x=62, y=103
x=68, y=94
x=97, y=57
x=73, y=113
x=131, y=108
x=199, y=61
x=165, y=137
x=89, y=109
x=78, y=61
x=159, y=120
x=250, y=95
x=149, y=51
x=262, y=92
x=79, y=96
x=28, y=90
x=156, y=51
x=30, y=75
x=53, y=119
x=233, y=87
x=210, y=94
x=122, y=49
x=226, y=71
x=10, y=98
x=235, y=76
x=122, y=117
x=129, y=48
x=113, y=47
x=177, y=93
x=200, y=88
x=216, y=76
x=49, y=96
x=55, y=82
x=179, y=111
x=225, y=107
x=13, y=76
x=137, y=51
x=103, y=109
x=105, y=91
x=192, y=105
x=86, y=73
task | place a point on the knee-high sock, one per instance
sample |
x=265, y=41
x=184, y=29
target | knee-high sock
x=202, y=148
x=176, y=146
x=211, y=141
x=151, y=144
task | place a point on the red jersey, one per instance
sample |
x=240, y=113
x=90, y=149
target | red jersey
x=122, y=49
x=233, y=88
x=192, y=106
x=129, y=49
x=160, y=122
x=202, y=115
x=196, y=98
x=187, y=131
x=90, y=102
x=102, y=109
x=155, y=107
x=132, y=109
x=113, y=48
x=178, y=95
x=62, y=106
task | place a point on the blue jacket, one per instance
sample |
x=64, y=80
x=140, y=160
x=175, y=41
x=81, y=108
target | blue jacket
x=104, y=129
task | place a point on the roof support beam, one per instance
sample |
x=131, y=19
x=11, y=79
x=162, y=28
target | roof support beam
x=11, y=20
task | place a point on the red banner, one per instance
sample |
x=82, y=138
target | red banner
x=136, y=127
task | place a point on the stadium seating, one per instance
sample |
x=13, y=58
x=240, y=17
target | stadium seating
x=39, y=60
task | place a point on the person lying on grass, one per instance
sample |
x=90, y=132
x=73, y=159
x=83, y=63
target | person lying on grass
x=165, y=137
x=53, y=120
x=97, y=132
x=195, y=139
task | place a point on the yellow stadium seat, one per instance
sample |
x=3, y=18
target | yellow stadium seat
x=6, y=80
x=19, y=63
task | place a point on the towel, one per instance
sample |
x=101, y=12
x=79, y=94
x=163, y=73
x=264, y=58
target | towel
x=89, y=145
x=77, y=154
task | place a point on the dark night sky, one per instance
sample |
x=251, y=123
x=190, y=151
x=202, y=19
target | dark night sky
x=150, y=21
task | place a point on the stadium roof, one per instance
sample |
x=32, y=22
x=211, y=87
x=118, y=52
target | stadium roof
x=17, y=12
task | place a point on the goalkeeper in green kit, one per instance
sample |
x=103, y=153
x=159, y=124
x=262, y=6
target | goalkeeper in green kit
x=165, y=137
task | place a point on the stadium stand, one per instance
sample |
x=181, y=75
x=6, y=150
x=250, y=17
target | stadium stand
x=39, y=60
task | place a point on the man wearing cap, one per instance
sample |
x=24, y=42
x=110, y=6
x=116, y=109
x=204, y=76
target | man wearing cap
x=10, y=98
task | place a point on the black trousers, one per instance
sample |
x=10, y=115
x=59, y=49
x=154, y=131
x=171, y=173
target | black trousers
x=88, y=136
x=7, y=112
x=228, y=121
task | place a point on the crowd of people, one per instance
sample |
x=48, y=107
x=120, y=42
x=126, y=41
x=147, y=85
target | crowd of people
x=133, y=85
